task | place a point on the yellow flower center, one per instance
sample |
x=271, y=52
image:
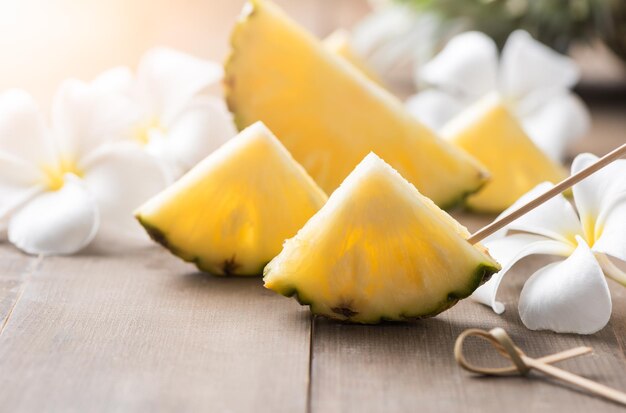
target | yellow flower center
x=55, y=173
x=589, y=229
x=143, y=131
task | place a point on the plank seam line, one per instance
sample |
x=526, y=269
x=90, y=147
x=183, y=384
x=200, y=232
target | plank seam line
x=310, y=381
x=32, y=267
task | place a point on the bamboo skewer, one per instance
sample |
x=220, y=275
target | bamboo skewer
x=571, y=378
x=551, y=193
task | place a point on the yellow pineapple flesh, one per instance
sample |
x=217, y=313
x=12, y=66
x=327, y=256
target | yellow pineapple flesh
x=489, y=132
x=231, y=213
x=328, y=114
x=379, y=250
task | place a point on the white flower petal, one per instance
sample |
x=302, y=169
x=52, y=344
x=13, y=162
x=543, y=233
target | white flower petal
x=59, y=222
x=434, y=108
x=610, y=269
x=16, y=173
x=611, y=230
x=589, y=193
x=467, y=65
x=168, y=79
x=529, y=69
x=508, y=251
x=13, y=200
x=596, y=198
x=18, y=182
x=117, y=80
x=203, y=126
x=84, y=117
x=158, y=146
x=23, y=134
x=392, y=38
x=567, y=297
x=121, y=177
x=557, y=123
x=555, y=218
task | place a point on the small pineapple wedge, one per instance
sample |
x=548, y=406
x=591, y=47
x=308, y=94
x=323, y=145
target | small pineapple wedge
x=338, y=42
x=328, y=114
x=379, y=250
x=493, y=136
x=231, y=213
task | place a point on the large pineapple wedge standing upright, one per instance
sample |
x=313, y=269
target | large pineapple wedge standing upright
x=379, y=250
x=231, y=213
x=329, y=114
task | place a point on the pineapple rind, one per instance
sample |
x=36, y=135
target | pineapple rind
x=482, y=274
x=161, y=238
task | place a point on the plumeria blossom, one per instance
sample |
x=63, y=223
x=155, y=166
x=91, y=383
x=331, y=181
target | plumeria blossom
x=176, y=119
x=533, y=80
x=62, y=185
x=570, y=295
x=395, y=37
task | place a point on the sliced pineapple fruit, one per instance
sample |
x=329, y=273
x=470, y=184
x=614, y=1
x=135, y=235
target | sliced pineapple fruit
x=231, y=213
x=330, y=115
x=489, y=132
x=379, y=250
x=338, y=42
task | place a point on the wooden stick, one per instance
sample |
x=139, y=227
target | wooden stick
x=522, y=364
x=564, y=355
x=497, y=337
x=573, y=379
x=559, y=188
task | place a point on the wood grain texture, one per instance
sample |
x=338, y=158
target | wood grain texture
x=410, y=367
x=15, y=269
x=143, y=331
x=618, y=294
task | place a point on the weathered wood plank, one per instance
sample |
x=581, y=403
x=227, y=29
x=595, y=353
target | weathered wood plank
x=145, y=332
x=618, y=295
x=410, y=367
x=15, y=268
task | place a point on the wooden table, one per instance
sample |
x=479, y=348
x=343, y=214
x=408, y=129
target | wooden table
x=142, y=331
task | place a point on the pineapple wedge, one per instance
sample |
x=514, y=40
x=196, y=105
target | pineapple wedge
x=338, y=42
x=328, y=114
x=379, y=250
x=493, y=136
x=231, y=213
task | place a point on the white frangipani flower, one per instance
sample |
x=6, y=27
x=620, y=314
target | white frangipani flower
x=176, y=119
x=61, y=186
x=533, y=80
x=571, y=295
x=395, y=37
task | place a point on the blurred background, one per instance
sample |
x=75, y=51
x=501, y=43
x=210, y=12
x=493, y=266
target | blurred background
x=45, y=41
